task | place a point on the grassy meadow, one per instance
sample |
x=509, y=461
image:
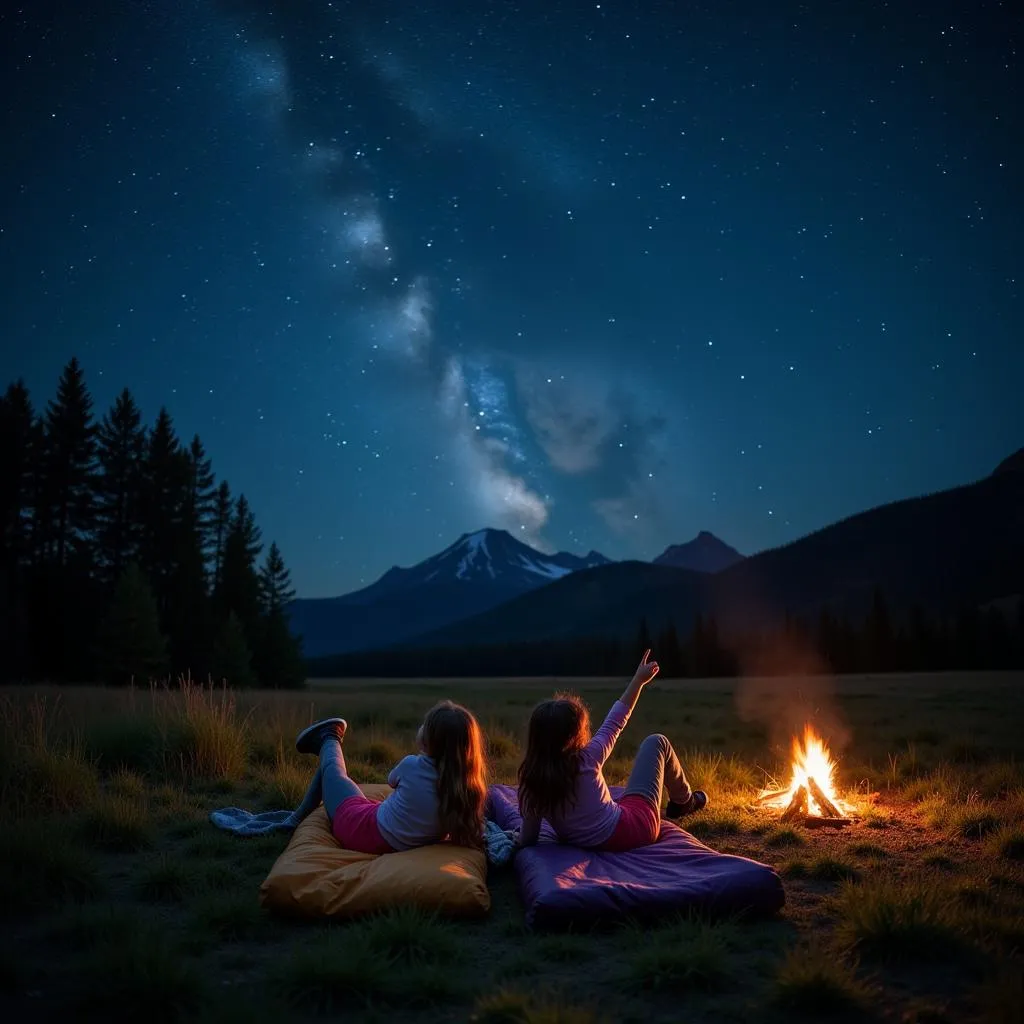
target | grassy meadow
x=120, y=901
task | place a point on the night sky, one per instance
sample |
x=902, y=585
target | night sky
x=603, y=274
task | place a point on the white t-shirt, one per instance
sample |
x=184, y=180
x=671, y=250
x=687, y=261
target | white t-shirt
x=408, y=817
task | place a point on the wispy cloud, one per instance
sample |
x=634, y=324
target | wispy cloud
x=264, y=74
x=600, y=430
x=572, y=419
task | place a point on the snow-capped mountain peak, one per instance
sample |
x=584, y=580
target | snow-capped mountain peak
x=479, y=571
x=497, y=555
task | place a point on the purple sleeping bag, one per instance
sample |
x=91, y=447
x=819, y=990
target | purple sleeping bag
x=567, y=885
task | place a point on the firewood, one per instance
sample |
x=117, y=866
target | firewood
x=797, y=806
x=817, y=821
x=828, y=809
x=772, y=794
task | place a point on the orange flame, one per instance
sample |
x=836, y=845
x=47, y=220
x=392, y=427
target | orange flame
x=811, y=760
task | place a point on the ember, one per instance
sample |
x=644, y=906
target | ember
x=810, y=798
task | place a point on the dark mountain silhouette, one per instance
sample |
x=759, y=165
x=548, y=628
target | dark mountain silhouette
x=705, y=553
x=942, y=552
x=1012, y=464
x=477, y=572
x=606, y=601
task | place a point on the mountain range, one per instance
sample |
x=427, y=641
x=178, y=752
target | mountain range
x=479, y=571
x=939, y=552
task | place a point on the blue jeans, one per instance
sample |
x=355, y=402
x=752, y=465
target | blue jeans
x=331, y=784
x=655, y=765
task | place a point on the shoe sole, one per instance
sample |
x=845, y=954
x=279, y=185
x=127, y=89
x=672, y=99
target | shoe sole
x=309, y=731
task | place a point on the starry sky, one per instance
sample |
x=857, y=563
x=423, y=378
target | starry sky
x=602, y=274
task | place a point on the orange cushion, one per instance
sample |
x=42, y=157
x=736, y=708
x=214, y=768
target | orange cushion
x=315, y=877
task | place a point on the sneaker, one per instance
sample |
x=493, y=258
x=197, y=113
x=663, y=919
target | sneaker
x=697, y=802
x=311, y=739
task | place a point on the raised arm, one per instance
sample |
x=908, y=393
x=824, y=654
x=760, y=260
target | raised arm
x=644, y=673
x=599, y=749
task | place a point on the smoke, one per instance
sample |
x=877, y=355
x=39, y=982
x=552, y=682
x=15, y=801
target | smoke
x=783, y=686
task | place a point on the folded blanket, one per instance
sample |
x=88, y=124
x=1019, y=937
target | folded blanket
x=500, y=844
x=245, y=823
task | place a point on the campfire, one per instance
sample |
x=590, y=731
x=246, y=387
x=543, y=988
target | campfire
x=810, y=798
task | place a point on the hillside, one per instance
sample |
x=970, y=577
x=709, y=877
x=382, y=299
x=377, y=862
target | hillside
x=941, y=552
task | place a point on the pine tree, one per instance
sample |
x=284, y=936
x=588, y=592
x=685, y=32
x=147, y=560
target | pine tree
x=187, y=616
x=40, y=528
x=70, y=464
x=825, y=638
x=202, y=495
x=16, y=430
x=245, y=524
x=164, y=494
x=698, y=648
x=643, y=639
x=278, y=660
x=121, y=451
x=220, y=528
x=879, y=637
x=130, y=644
x=716, y=658
x=16, y=433
x=275, y=582
x=240, y=585
x=232, y=657
x=670, y=654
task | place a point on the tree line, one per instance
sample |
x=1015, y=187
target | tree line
x=124, y=558
x=832, y=643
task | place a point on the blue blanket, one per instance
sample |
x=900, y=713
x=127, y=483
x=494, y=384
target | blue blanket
x=245, y=823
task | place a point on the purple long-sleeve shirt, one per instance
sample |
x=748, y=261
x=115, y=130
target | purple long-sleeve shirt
x=592, y=819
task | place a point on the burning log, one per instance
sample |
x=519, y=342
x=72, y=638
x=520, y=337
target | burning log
x=797, y=806
x=771, y=794
x=817, y=821
x=827, y=808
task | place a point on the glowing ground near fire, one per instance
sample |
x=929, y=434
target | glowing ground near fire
x=120, y=900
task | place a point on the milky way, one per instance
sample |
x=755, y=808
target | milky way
x=601, y=274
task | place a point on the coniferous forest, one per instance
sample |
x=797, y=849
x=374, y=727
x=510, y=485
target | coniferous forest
x=123, y=557
x=883, y=641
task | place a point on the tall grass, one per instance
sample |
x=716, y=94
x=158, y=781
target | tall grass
x=50, y=765
x=86, y=773
x=42, y=771
x=816, y=984
x=202, y=735
x=884, y=919
x=691, y=955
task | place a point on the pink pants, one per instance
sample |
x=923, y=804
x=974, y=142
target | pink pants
x=355, y=826
x=639, y=825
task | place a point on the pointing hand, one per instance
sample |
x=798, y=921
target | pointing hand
x=646, y=670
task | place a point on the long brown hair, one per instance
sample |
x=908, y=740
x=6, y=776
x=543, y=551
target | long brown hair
x=452, y=739
x=559, y=730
